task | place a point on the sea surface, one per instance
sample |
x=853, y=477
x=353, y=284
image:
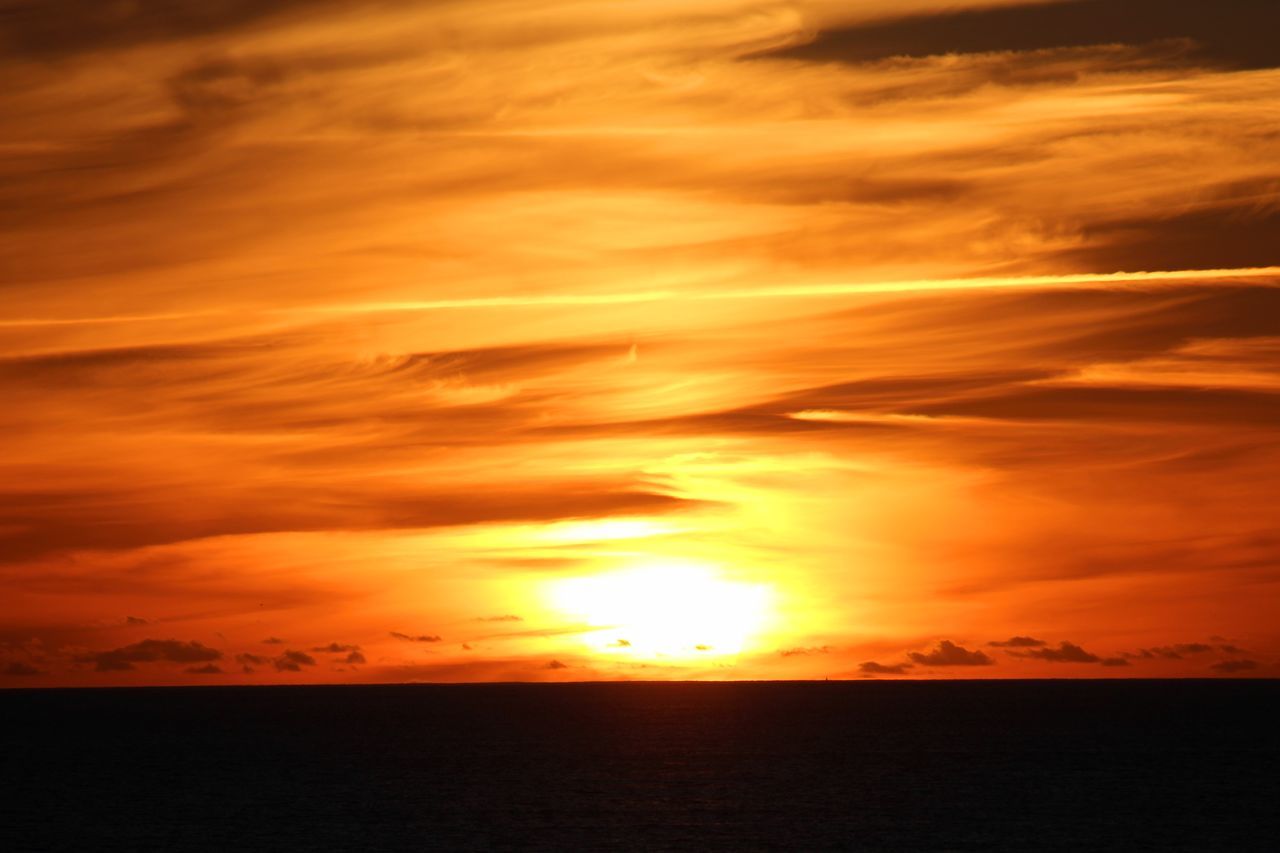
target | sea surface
x=805, y=766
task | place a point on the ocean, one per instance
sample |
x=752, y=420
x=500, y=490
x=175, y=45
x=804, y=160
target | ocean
x=806, y=766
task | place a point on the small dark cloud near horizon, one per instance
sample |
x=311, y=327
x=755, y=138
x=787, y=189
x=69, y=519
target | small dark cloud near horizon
x=336, y=649
x=1066, y=652
x=274, y=641
x=207, y=669
x=947, y=653
x=18, y=668
x=1176, y=651
x=1114, y=662
x=1018, y=643
x=150, y=651
x=620, y=643
x=506, y=617
x=875, y=668
x=293, y=661
x=1233, y=666
x=555, y=664
x=416, y=638
x=136, y=620
x=248, y=658
x=354, y=657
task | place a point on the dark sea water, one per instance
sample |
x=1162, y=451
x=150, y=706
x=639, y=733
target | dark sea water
x=1050, y=765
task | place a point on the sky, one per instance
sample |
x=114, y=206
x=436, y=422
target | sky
x=474, y=340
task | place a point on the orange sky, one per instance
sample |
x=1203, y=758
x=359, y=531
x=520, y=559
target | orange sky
x=556, y=340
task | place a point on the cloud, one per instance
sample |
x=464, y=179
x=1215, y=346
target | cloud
x=1236, y=39
x=336, y=648
x=416, y=638
x=207, y=669
x=1114, y=662
x=354, y=657
x=1234, y=666
x=136, y=620
x=1065, y=653
x=65, y=525
x=273, y=641
x=948, y=653
x=149, y=651
x=18, y=668
x=804, y=650
x=555, y=664
x=873, y=668
x=247, y=659
x=34, y=29
x=1017, y=643
x=293, y=661
x=1230, y=232
x=507, y=617
x=1175, y=651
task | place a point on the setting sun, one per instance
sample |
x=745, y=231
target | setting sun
x=667, y=610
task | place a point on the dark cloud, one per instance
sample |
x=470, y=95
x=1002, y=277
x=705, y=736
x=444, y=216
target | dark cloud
x=1108, y=326
x=336, y=648
x=948, y=653
x=1118, y=404
x=873, y=668
x=1114, y=662
x=149, y=651
x=293, y=661
x=621, y=643
x=273, y=641
x=1234, y=233
x=416, y=638
x=256, y=660
x=354, y=657
x=34, y=524
x=207, y=669
x=1017, y=643
x=555, y=664
x=1239, y=34
x=1066, y=652
x=1173, y=652
x=136, y=620
x=1233, y=666
x=18, y=668
x=506, y=617
x=41, y=30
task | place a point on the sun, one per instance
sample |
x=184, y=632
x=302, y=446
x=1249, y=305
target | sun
x=666, y=610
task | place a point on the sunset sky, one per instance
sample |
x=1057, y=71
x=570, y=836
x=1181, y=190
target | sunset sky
x=467, y=340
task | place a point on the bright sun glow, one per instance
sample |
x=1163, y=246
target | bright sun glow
x=666, y=610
